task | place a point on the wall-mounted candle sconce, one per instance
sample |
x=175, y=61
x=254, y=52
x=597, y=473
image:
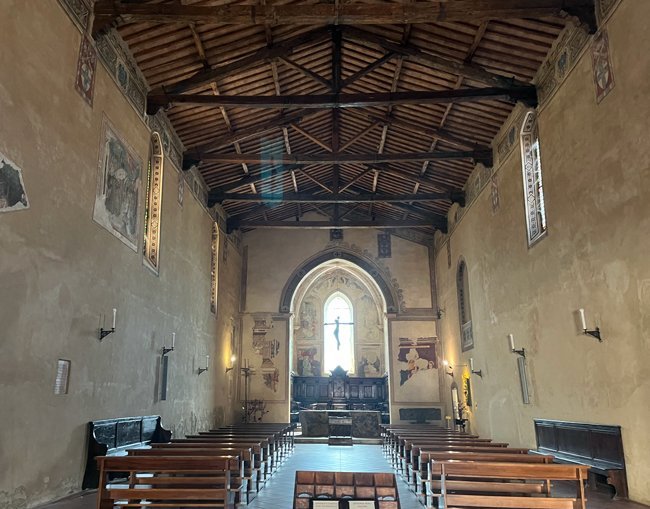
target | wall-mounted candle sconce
x=445, y=363
x=521, y=352
x=166, y=350
x=594, y=332
x=440, y=313
x=233, y=358
x=105, y=332
x=472, y=370
x=207, y=365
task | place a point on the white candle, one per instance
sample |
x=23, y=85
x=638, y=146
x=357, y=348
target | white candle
x=114, y=316
x=173, y=339
x=471, y=363
x=582, y=318
x=207, y=361
x=511, y=338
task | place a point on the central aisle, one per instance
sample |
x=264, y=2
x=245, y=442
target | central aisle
x=278, y=492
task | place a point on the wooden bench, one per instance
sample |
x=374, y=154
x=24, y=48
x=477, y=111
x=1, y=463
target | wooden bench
x=507, y=485
x=311, y=487
x=179, y=481
x=598, y=446
x=239, y=483
x=110, y=437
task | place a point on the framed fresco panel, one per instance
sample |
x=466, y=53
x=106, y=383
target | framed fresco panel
x=308, y=360
x=413, y=363
x=370, y=362
x=117, y=200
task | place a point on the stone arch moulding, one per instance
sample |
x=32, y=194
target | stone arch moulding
x=388, y=289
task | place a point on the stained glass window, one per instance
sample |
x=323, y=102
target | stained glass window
x=338, y=333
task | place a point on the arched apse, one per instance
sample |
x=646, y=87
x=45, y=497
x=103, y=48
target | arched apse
x=382, y=281
x=310, y=330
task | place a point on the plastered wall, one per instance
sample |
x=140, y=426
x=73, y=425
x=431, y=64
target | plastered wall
x=273, y=256
x=596, y=175
x=59, y=271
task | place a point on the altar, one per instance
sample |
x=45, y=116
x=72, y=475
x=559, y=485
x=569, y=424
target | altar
x=364, y=423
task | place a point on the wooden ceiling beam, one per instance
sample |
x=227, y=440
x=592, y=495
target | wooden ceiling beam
x=121, y=12
x=526, y=94
x=306, y=72
x=369, y=68
x=484, y=156
x=204, y=77
x=235, y=224
x=332, y=197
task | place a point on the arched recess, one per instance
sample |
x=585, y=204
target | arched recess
x=381, y=280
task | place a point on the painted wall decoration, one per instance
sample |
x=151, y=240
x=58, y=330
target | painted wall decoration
x=153, y=205
x=86, y=70
x=117, y=201
x=268, y=349
x=414, y=373
x=494, y=195
x=308, y=361
x=370, y=363
x=383, y=245
x=181, y=189
x=308, y=320
x=416, y=355
x=370, y=328
x=449, y=253
x=12, y=188
x=602, y=65
x=214, y=267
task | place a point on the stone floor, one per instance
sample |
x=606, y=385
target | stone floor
x=278, y=492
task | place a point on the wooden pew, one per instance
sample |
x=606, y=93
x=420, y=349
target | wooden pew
x=508, y=485
x=239, y=484
x=259, y=448
x=179, y=481
x=426, y=484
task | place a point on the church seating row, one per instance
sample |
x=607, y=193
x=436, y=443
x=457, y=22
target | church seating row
x=446, y=468
x=225, y=467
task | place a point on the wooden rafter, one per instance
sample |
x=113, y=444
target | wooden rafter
x=330, y=197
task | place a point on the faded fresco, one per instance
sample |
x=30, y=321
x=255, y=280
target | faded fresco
x=118, y=187
x=416, y=355
x=370, y=364
x=602, y=65
x=86, y=70
x=12, y=188
x=308, y=363
x=308, y=320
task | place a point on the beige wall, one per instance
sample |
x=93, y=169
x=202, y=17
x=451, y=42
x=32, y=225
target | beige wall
x=273, y=255
x=59, y=270
x=596, y=172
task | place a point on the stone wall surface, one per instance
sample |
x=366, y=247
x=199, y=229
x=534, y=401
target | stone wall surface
x=596, y=175
x=59, y=270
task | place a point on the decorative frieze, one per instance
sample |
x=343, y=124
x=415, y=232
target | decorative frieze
x=171, y=143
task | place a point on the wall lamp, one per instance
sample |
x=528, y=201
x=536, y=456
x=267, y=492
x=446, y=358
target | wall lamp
x=521, y=352
x=207, y=365
x=445, y=363
x=166, y=350
x=472, y=370
x=105, y=332
x=233, y=358
x=595, y=332
x=440, y=313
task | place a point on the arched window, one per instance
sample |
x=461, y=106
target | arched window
x=153, y=204
x=338, y=338
x=464, y=309
x=532, y=174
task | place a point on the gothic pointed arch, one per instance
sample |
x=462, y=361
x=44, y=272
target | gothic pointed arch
x=388, y=287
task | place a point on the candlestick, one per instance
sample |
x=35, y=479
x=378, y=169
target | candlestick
x=471, y=364
x=582, y=318
x=511, y=338
x=173, y=339
x=114, y=316
x=207, y=361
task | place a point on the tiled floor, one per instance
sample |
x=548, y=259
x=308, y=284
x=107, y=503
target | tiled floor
x=278, y=492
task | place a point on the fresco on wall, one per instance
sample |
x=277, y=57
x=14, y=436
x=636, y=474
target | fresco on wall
x=602, y=65
x=308, y=363
x=308, y=320
x=12, y=188
x=383, y=245
x=370, y=328
x=118, y=187
x=370, y=364
x=416, y=355
x=86, y=67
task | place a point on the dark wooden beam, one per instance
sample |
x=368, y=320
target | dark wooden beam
x=207, y=76
x=332, y=13
x=526, y=94
x=415, y=54
x=234, y=224
x=330, y=198
x=484, y=156
x=253, y=177
x=368, y=69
